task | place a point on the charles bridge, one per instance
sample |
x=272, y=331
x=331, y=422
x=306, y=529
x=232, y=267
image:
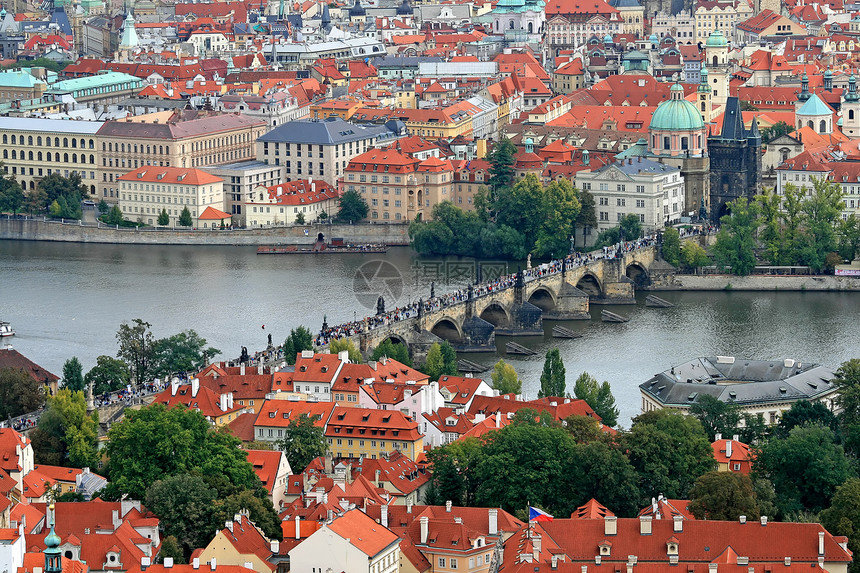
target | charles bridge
x=555, y=292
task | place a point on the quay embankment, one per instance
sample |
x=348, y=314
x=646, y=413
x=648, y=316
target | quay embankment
x=817, y=283
x=29, y=229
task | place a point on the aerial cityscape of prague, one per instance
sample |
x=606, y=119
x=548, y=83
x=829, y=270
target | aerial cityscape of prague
x=429, y=286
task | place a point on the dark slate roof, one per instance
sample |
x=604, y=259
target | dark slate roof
x=60, y=19
x=739, y=381
x=639, y=166
x=404, y=61
x=733, y=122
x=330, y=131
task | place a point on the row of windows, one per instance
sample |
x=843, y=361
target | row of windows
x=37, y=156
x=19, y=140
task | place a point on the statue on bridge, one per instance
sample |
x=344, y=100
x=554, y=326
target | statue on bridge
x=421, y=303
x=432, y=289
x=270, y=340
x=380, y=306
x=243, y=355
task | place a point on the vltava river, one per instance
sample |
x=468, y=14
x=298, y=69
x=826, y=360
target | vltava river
x=68, y=299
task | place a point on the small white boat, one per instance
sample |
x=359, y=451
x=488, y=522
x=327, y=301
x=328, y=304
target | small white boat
x=6, y=329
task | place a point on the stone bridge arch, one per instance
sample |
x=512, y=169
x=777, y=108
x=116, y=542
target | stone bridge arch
x=395, y=338
x=544, y=298
x=496, y=314
x=590, y=285
x=448, y=328
x=637, y=273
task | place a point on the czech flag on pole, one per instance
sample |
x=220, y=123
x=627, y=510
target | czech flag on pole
x=536, y=514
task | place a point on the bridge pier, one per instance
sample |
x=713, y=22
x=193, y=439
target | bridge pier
x=526, y=320
x=478, y=336
x=618, y=288
x=571, y=304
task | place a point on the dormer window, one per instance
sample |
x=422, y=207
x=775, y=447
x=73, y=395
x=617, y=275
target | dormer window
x=605, y=548
x=672, y=547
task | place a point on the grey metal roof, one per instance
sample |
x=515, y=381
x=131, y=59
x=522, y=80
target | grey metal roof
x=404, y=61
x=639, y=166
x=330, y=131
x=739, y=381
x=50, y=125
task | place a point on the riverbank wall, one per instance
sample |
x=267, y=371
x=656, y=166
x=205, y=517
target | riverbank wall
x=681, y=282
x=76, y=232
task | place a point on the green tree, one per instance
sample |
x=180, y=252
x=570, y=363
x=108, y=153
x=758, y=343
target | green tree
x=63, y=194
x=341, y=344
x=454, y=468
x=11, y=195
x=561, y=207
x=36, y=201
x=603, y=472
x=300, y=219
x=716, y=416
x=449, y=359
x=114, y=216
x=552, y=379
x=723, y=496
x=66, y=435
x=805, y=468
x=669, y=452
x=163, y=218
x=693, y=255
x=804, y=412
x=183, y=504
x=303, y=441
x=156, y=442
x=792, y=217
x=395, y=351
x=843, y=516
x=103, y=207
x=598, y=396
x=505, y=378
x=20, y=393
x=435, y=363
x=453, y=231
x=73, y=374
x=107, y=375
x=170, y=548
x=778, y=129
x=847, y=384
x=137, y=349
x=770, y=231
x=821, y=212
x=631, y=226
x=583, y=429
x=849, y=237
x=522, y=207
x=502, y=160
x=54, y=209
x=735, y=245
x=258, y=506
x=183, y=352
x=672, y=246
x=185, y=219
x=587, y=218
x=351, y=207
x=300, y=338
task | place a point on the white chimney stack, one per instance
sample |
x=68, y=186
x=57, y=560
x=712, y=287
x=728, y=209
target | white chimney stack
x=820, y=543
x=213, y=565
x=494, y=522
x=678, y=523
x=729, y=449
x=298, y=527
x=195, y=563
x=168, y=562
x=448, y=506
x=195, y=387
x=425, y=528
x=383, y=515
x=645, y=525
x=610, y=525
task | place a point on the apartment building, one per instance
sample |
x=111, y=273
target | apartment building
x=146, y=191
x=183, y=139
x=653, y=191
x=722, y=15
x=397, y=187
x=282, y=204
x=240, y=180
x=319, y=149
x=34, y=148
x=362, y=432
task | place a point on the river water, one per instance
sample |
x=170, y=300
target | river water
x=68, y=299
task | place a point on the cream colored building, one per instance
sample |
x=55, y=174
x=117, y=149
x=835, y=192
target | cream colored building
x=146, y=191
x=399, y=188
x=34, y=148
x=722, y=15
x=281, y=204
x=173, y=139
x=231, y=545
x=652, y=191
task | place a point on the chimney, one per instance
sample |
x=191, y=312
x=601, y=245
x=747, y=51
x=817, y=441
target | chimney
x=584, y=569
x=729, y=449
x=536, y=543
x=325, y=497
x=554, y=562
x=168, y=562
x=115, y=520
x=718, y=437
x=494, y=522
x=610, y=525
x=174, y=386
x=242, y=369
x=376, y=475
x=742, y=518
x=408, y=506
x=788, y=561
x=213, y=565
x=260, y=369
x=195, y=386
x=229, y=525
x=383, y=515
x=764, y=521
x=678, y=523
x=821, y=543
x=222, y=402
x=344, y=504
x=448, y=506
x=645, y=525
x=298, y=527
x=249, y=565
x=498, y=419
x=274, y=547
x=319, y=494
x=425, y=527
x=196, y=563
x=712, y=568
x=144, y=563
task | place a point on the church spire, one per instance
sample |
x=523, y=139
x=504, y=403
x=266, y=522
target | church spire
x=53, y=555
x=804, y=88
x=852, y=89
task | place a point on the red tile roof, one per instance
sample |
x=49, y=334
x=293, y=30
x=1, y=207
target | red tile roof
x=363, y=532
x=266, y=464
x=244, y=536
x=175, y=175
x=212, y=214
x=10, y=441
x=10, y=358
x=278, y=413
x=390, y=424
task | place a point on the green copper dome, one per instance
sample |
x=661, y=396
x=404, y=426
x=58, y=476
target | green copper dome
x=716, y=40
x=677, y=114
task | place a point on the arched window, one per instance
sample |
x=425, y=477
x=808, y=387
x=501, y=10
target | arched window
x=685, y=143
x=66, y=141
x=30, y=140
x=850, y=114
x=39, y=140
x=784, y=154
x=56, y=142
x=5, y=139
x=531, y=27
x=715, y=61
x=822, y=126
x=65, y=158
x=810, y=124
x=5, y=154
x=511, y=24
x=14, y=154
x=14, y=140
x=48, y=157
x=39, y=156
x=92, y=159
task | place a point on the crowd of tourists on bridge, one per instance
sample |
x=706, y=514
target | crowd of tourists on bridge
x=461, y=295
